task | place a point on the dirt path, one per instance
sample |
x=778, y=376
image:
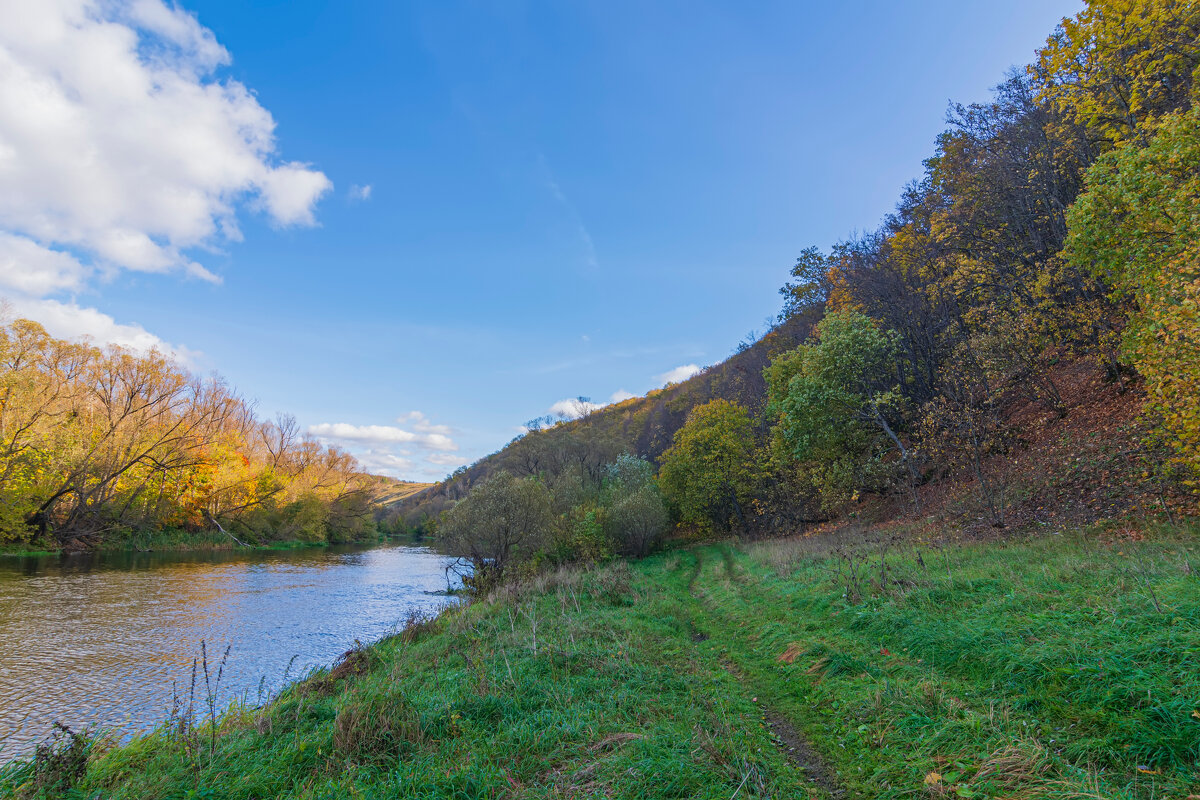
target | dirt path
x=791, y=742
x=801, y=753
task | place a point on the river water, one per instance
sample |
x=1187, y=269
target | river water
x=100, y=639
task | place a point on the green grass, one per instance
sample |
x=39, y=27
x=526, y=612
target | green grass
x=1063, y=667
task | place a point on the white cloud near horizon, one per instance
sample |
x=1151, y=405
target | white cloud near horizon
x=574, y=408
x=413, y=446
x=121, y=148
x=678, y=374
x=381, y=435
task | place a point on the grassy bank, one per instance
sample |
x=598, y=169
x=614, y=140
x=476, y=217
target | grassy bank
x=181, y=541
x=1062, y=667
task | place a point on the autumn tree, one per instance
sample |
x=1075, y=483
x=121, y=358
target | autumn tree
x=1120, y=66
x=96, y=444
x=710, y=470
x=637, y=515
x=1138, y=228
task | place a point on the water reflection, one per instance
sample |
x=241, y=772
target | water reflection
x=100, y=638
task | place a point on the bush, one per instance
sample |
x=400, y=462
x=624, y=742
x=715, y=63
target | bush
x=503, y=521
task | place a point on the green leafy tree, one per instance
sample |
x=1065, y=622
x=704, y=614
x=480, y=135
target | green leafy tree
x=709, y=473
x=1138, y=227
x=834, y=399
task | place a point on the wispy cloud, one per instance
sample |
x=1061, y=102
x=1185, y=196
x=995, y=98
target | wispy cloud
x=585, y=238
x=360, y=193
x=71, y=321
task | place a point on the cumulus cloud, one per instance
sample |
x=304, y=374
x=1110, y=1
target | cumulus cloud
x=70, y=321
x=421, y=423
x=381, y=434
x=413, y=447
x=30, y=269
x=576, y=407
x=382, y=462
x=121, y=148
x=679, y=374
x=446, y=460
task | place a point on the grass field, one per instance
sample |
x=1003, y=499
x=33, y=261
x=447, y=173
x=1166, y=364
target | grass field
x=1060, y=667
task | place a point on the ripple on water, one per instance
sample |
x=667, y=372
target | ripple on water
x=102, y=640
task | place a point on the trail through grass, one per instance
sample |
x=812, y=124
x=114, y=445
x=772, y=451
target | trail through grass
x=1056, y=668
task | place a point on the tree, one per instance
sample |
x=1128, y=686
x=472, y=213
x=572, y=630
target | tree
x=810, y=282
x=501, y=522
x=962, y=429
x=709, y=472
x=1120, y=66
x=637, y=515
x=1138, y=228
x=834, y=400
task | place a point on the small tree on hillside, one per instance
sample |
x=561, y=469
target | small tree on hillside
x=709, y=473
x=501, y=522
x=637, y=516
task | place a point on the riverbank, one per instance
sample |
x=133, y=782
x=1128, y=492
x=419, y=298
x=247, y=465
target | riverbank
x=1066, y=666
x=176, y=541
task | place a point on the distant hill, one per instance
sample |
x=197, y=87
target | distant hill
x=643, y=426
x=389, y=491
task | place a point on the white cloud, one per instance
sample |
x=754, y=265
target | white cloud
x=422, y=424
x=420, y=448
x=120, y=147
x=360, y=192
x=70, y=321
x=446, y=460
x=28, y=268
x=381, y=435
x=384, y=463
x=574, y=408
x=678, y=375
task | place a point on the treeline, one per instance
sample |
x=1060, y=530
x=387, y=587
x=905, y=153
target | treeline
x=1059, y=221
x=98, y=445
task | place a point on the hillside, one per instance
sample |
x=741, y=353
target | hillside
x=642, y=426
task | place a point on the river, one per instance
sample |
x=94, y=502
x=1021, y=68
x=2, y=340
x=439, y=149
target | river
x=102, y=639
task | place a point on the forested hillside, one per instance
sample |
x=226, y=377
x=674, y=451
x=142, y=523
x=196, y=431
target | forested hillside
x=1025, y=319
x=106, y=447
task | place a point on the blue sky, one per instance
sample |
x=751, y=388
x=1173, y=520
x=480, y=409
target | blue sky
x=417, y=225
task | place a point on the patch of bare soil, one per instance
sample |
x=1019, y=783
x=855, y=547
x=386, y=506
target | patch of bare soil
x=801, y=753
x=792, y=743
